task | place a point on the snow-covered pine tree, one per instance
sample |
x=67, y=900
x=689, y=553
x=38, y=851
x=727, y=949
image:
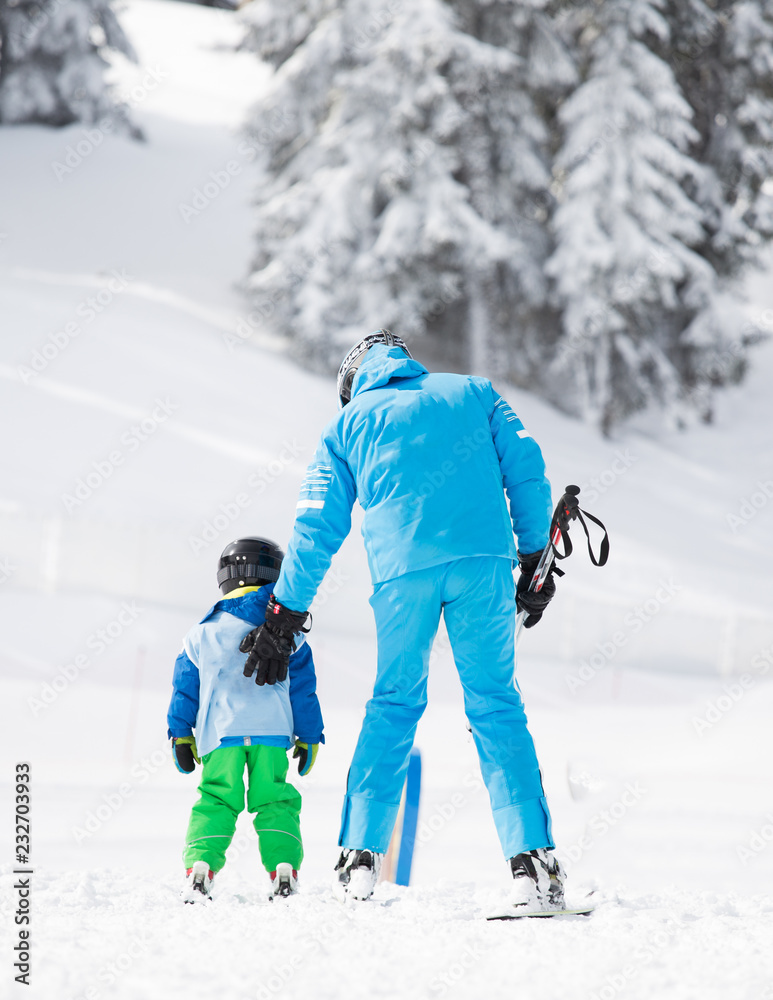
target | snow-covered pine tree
x=409, y=184
x=628, y=275
x=722, y=55
x=52, y=69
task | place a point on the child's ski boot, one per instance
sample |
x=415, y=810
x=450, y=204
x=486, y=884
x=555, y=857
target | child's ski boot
x=198, y=883
x=284, y=881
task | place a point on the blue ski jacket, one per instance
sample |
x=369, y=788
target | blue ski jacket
x=211, y=694
x=430, y=458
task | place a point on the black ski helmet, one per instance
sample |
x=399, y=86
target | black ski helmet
x=353, y=360
x=249, y=561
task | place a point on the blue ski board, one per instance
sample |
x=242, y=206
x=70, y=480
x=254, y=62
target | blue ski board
x=410, y=818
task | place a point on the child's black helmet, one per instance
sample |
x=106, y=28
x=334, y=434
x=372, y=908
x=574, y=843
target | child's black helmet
x=249, y=561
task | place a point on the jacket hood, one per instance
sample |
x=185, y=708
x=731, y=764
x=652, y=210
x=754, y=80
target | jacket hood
x=383, y=363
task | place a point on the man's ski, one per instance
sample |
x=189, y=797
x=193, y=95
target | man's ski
x=515, y=914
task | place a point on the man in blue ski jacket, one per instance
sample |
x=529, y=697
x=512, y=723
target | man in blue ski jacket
x=239, y=727
x=430, y=458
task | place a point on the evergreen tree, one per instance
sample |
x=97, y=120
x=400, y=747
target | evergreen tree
x=52, y=67
x=722, y=54
x=409, y=187
x=640, y=304
x=555, y=192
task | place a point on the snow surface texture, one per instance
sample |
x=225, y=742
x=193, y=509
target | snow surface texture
x=651, y=719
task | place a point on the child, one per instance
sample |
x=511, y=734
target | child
x=239, y=724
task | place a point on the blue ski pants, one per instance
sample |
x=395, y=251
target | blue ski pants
x=476, y=596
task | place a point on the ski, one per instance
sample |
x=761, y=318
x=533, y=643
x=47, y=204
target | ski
x=410, y=819
x=514, y=914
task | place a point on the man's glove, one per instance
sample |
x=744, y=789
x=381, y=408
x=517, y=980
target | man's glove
x=532, y=602
x=306, y=754
x=271, y=644
x=184, y=753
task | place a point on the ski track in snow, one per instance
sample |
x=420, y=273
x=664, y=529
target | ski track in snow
x=83, y=397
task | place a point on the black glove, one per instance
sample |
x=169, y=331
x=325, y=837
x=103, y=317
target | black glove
x=184, y=753
x=271, y=644
x=532, y=602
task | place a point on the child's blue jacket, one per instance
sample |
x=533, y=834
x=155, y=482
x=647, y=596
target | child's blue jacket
x=211, y=695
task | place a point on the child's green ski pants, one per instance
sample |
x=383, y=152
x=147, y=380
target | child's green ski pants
x=276, y=805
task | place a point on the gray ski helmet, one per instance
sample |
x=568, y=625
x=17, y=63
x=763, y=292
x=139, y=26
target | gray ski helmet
x=353, y=360
x=249, y=561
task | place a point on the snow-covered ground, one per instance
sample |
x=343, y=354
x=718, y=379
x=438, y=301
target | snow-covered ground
x=136, y=447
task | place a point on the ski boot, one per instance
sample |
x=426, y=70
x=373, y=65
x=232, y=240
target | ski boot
x=284, y=881
x=356, y=874
x=198, y=883
x=538, y=881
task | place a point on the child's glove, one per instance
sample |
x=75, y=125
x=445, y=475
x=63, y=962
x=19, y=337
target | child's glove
x=184, y=753
x=306, y=754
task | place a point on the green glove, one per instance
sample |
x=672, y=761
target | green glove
x=184, y=753
x=306, y=754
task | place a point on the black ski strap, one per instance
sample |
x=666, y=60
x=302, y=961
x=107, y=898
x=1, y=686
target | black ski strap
x=569, y=510
x=603, y=547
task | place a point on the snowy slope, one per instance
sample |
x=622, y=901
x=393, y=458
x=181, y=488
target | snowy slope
x=184, y=437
